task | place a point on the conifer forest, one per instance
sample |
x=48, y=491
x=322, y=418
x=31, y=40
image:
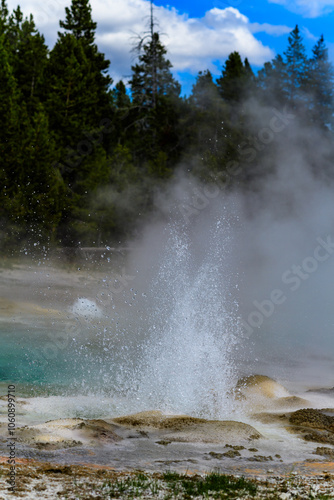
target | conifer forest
x=82, y=156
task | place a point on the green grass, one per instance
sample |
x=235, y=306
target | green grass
x=179, y=485
x=214, y=483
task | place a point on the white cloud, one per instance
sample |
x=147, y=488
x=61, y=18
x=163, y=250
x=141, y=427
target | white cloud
x=308, y=8
x=308, y=34
x=270, y=29
x=193, y=43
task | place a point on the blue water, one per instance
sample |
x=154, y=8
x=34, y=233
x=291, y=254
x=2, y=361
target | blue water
x=30, y=356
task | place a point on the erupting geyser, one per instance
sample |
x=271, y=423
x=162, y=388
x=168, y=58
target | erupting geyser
x=187, y=362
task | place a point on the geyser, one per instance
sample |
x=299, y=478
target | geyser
x=193, y=327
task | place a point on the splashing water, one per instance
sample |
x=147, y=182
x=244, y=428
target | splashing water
x=166, y=340
x=188, y=363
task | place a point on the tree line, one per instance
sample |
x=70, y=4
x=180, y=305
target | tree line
x=81, y=157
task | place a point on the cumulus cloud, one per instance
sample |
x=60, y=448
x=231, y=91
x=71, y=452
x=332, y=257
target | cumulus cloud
x=193, y=44
x=307, y=8
x=270, y=29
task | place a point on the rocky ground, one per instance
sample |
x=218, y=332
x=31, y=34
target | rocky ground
x=153, y=455
x=281, y=446
x=49, y=481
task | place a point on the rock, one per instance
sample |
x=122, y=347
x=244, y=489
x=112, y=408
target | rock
x=158, y=420
x=264, y=392
x=314, y=419
x=232, y=454
x=319, y=437
x=98, y=430
x=67, y=433
x=183, y=428
x=320, y=426
x=49, y=442
x=261, y=385
x=236, y=447
x=213, y=454
x=58, y=470
x=324, y=451
x=260, y=458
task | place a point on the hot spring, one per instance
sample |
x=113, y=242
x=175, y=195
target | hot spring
x=154, y=328
x=160, y=324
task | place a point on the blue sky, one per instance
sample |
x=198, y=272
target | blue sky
x=313, y=18
x=199, y=35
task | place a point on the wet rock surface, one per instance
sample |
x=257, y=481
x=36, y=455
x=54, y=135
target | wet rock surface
x=66, y=433
x=326, y=452
x=313, y=425
x=182, y=428
x=315, y=419
x=155, y=442
x=263, y=392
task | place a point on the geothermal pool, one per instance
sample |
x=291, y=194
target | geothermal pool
x=149, y=331
x=158, y=327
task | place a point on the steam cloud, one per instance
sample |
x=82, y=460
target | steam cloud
x=278, y=255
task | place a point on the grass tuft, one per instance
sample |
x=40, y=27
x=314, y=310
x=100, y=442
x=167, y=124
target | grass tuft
x=180, y=486
x=213, y=483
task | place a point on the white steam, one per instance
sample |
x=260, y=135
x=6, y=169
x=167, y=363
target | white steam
x=242, y=279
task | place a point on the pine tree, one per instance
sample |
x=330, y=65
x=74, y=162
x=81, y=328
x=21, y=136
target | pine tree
x=236, y=80
x=79, y=96
x=122, y=112
x=3, y=17
x=236, y=85
x=79, y=86
x=155, y=99
x=152, y=77
x=29, y=57
x=79, y=106
x=271, y=82
x=9, y=112
x=32, y=191
x=320, y=85
x=44, y=195
x=121, y=100
x=79, y=21
x=80, y=24
x=76, y=124
x=250, y=81
x=295, y=68
x=71, y=103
